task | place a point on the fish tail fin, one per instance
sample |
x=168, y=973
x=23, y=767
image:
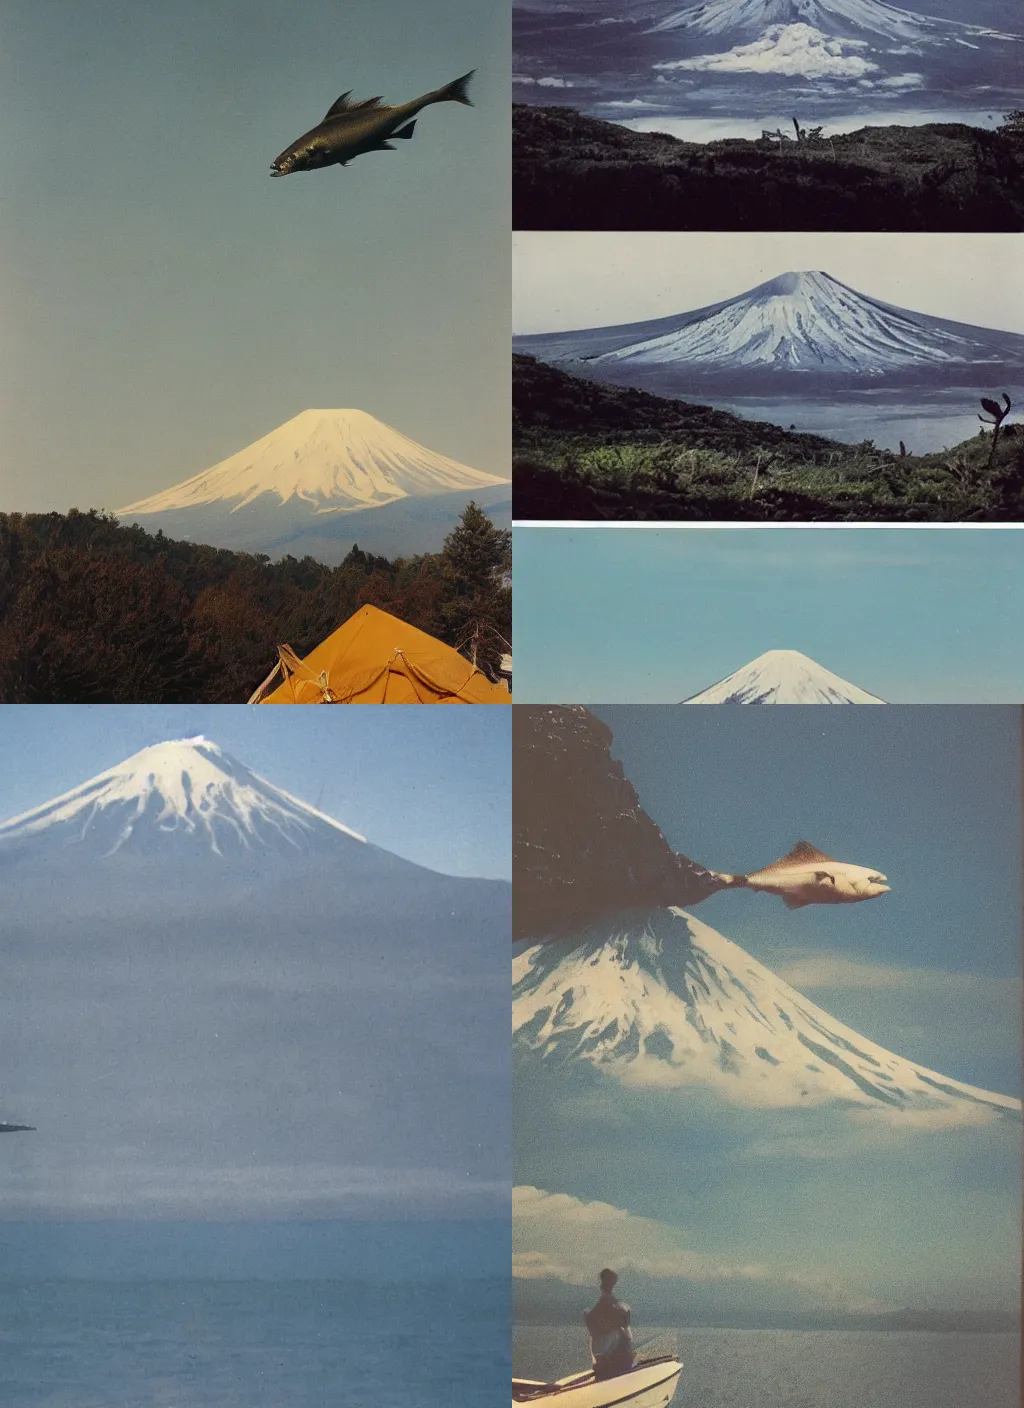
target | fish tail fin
x=730, y=882
x=405, y=131
x=456, y=91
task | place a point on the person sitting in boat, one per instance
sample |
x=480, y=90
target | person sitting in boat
x=607, y=1322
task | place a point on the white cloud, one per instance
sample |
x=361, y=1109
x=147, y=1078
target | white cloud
x=791, y=49
x=542, y=82
x=825, y=969
x=127, y=1186
x=530, y=1202
x=556, y=1236
x=903, y=81
x=864, y=1131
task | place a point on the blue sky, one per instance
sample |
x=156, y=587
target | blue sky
x=735, y=788
x=654, y=615
x=765, y=1212
x=166, y=303
x=431, y=785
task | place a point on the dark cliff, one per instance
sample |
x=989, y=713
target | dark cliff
x=582, y=845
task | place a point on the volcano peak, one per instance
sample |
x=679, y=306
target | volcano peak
x=802, y=324
x=666, y=1002
x=783, y=677
x=188, y=789
x=748, y=19
x=799, y=281
x=332, y=460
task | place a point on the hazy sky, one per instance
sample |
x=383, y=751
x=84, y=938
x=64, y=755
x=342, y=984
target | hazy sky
x=166, y=303
x=656, y=614
x=566, y=280
x=431, y=785
x=767, y=1209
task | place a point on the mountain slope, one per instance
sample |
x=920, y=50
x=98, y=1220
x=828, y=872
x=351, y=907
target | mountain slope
x=333, y=460
x=666, y=1002
x=184, y=789
x=743, y=19
x=804, y=327
x=783, y=677
x=402, y=528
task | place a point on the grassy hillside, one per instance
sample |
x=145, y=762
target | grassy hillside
x=589, y=451
x=572, y=172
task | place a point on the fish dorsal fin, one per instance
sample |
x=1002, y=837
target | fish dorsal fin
x=342, y=105
x=339, y=105
x=803, y=853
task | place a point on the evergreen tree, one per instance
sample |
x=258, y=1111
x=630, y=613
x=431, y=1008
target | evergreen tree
x=477, y=611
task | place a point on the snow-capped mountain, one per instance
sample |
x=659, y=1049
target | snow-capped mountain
x=783, y=677
x=318, y=483
x=753, y=63
x=335, y=461
x=666, y=1002
x=221, y=999
x=798, y=328
x=185, y=790
x=857, y=19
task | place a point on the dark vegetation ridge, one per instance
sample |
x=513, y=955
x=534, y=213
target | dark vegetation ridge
x=573, y=172
x=592, y=451
x=583, y=848
x=93, y=612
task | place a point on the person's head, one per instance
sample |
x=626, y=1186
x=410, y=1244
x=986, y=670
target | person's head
x=608, y=1280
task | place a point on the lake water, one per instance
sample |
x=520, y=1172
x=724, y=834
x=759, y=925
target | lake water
x=925, y=426
x=810, y=1368
x=276, y=1344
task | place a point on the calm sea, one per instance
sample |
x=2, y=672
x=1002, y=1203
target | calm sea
x=261, y=1344
x=809, y=1368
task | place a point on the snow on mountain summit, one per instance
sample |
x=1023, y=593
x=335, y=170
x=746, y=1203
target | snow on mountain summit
x=803, y=326
x=668, y=1003
x=334, y=460
x=783, y=677
x=807, y=320
x=187, y=788
x=853, y=18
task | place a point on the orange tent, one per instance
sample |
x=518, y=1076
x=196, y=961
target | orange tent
x=375, y=658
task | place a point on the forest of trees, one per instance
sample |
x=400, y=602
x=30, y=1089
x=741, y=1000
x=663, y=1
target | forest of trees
x=93, y=612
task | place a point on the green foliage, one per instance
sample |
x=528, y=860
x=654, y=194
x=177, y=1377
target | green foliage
x=92, y=612
x=477, y=611
x=584, y=450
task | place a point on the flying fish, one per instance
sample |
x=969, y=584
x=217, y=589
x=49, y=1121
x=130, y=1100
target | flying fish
x=808, y=876
x=349, y=129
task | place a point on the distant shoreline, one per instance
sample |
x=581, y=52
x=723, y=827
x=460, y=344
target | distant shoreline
x=899, y=1322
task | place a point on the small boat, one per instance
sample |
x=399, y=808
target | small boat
x=651, y=1383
